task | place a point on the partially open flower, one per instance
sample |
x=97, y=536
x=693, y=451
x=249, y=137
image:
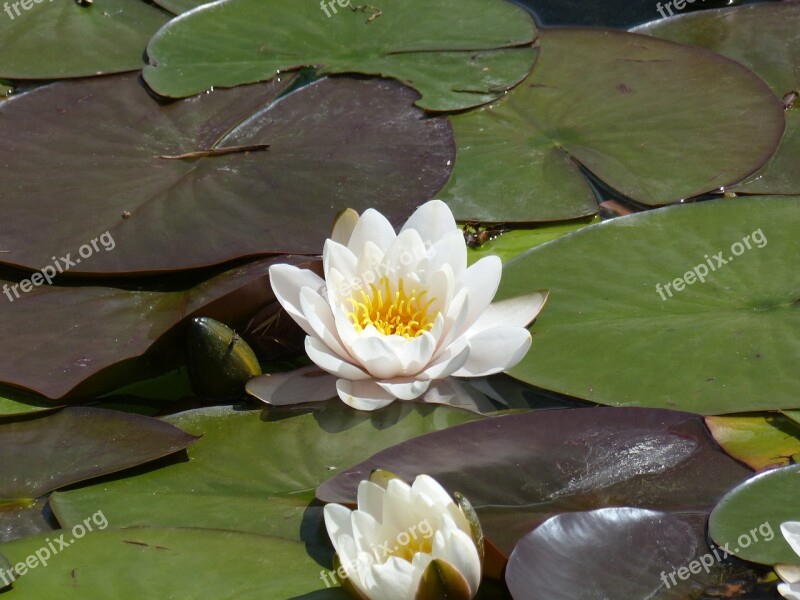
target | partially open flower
x=398, y=311
x=407, y=542
x=790, y=573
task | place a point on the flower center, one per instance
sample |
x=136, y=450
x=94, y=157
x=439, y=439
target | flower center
x=398, y=313
x=414, y=545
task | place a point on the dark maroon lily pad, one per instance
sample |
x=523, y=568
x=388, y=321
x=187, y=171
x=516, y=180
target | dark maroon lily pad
x=620, y=553
x=520, y=469
x=61, y=340
x=206, y=180
x=74, y=444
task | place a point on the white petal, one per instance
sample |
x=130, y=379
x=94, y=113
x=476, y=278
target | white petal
x=407, y=254
x=451, y=249
x=390, y=356
x=337, y=257
x=425, y=485
x=460, y=551
x=366, y=531
x=371, y=227
x=318, y=313
x=308, y=384
x=519, y=311
x=482, y=279
x=363, y=395
x=433, y=220
x=368, y=269
x=789, y=573
x=454, y=319
x=370, y=499
x=337, y=522
x=790, y=591
x=405, y=389
x=331, y=362
x=495, y=350
x=449, y=361
x=420, y=562
x=343, y=226
x=392, y=580
x=287, y=281
x=791, y=531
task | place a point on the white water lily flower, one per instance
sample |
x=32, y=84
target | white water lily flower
x=790, y=573
x=403, y=538
x=398, y=311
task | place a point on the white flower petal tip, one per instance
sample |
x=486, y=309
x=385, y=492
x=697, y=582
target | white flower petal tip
x=791, y=532
x=789, y=590
x=343, y=226
x=421, y=542
x=301, y=386
x=396, y=313
x=788, y=573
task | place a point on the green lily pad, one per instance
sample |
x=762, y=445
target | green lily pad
x=94, y=338
x=760, y=441
x=181, y=6
x=128, y=170
x=72, y=445
x=747, y=520
x=512, y=243
x=237, y=476
x=55, y=40
x=643, y=115
x=14, y=403
x=180, y=564
x=764, y=38
x=454, y=63
x=722, y=345
x=520, y=469
x=620, y=553
x=794, y=415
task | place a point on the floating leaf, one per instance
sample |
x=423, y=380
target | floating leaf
x=453, y=63
x=180, y=6
x=95, y=338
x=760, y=441
x=620, y=553
x=335, y=143
x=237, y=475
x=609, y=335
x=747, y=520
x=764, y=38
x=106, y=36
x=520, y=469
x=14, y=403
x=72, y=445
x=511, y=243
x=183, y=564
x=643, y=115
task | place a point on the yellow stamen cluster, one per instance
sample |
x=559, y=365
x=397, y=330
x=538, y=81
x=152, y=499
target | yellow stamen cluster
x=397, y=313
x=414, y=545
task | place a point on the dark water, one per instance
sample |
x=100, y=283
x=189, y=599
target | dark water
x=622, y=14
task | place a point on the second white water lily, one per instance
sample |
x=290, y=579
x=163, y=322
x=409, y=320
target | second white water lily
x=790, y=573
x=398, y=311
x=407, y=542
